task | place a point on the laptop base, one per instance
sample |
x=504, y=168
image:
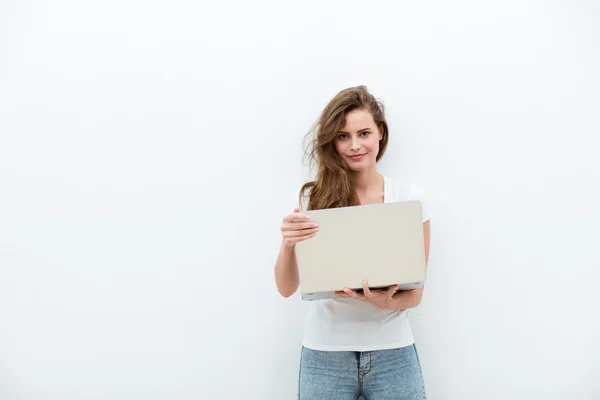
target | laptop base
x=331, y=294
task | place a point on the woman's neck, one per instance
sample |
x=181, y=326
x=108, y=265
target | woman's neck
x=367, y=181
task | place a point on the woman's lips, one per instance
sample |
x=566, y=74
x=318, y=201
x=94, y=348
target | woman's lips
x=357, y=157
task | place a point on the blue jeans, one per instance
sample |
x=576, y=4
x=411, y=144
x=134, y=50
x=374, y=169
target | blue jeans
x=393, y=374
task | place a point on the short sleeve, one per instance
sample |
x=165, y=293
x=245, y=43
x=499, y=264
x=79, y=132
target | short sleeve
x=417, y=194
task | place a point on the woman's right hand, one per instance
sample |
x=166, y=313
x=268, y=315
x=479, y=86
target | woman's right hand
x=297, y=227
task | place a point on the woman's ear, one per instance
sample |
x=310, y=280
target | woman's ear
x=380, y=134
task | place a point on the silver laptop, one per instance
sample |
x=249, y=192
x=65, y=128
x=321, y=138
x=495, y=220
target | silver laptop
x=382, y=243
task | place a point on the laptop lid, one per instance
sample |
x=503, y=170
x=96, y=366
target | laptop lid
x=383, y=243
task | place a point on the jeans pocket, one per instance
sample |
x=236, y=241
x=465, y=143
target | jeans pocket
x=416, y=354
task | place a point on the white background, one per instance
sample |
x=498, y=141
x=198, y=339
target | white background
x=148, y=151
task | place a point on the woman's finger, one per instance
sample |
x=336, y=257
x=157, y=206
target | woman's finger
x=303, y=232
x=366, y=289
x=341, y=293
x=296, y=216
x=296, y=226
x=353, y=294
x=391, y=290
x=299, y=238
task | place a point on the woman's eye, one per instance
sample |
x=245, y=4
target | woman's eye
x=342, y=136
x=364, y=133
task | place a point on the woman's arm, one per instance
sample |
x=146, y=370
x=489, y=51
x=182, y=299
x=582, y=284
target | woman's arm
x=286, y=270
x=412, y=298
x=295, y=228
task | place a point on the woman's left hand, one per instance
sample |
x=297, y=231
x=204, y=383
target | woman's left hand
x=381, y=297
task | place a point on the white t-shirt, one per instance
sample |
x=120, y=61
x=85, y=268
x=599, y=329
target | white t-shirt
x=343, y=324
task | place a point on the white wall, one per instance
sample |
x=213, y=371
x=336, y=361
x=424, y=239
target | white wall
x=149, y=149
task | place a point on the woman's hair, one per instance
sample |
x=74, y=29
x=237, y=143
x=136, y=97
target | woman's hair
x=332, y=187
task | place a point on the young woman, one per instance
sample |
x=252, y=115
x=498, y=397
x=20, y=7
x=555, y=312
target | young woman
x=357, y=343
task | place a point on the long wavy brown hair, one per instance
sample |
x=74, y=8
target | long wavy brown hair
x=332, y=187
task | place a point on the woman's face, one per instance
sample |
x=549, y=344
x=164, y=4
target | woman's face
x=358, y=140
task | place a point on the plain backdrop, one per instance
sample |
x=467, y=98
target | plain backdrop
x=148, y=151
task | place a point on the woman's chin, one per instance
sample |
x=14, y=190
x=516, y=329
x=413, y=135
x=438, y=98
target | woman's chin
x=360, y=167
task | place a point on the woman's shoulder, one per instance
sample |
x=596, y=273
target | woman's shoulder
x=403, y=190
x=407, y=191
